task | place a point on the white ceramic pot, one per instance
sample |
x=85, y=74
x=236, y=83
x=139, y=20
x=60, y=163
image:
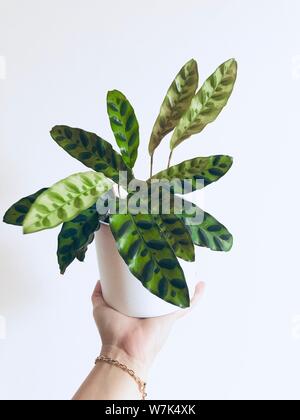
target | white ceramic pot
x=121, y=290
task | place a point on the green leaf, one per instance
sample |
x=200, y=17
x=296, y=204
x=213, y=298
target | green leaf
x=75, y=236
x=195, y=173
x=210, y=233
x=65, y=201
x=124, y=126
x=177, y=235
x=16, y=214
x=149, y=257
x=207, y=103
x=176, y=102
x=91, y=150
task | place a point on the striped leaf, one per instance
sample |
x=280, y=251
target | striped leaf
x=176, y=102
x=91, y=150
x=150, y=258
x=210, y=233
x=195, y=173
x=124, y=126
x=65, y=201
x=177, y=235
x=16, y=214
x=207, y=103
x=75, y=236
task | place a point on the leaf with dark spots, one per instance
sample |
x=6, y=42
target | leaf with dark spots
x=133, y=249
x=84, y=139
x=196, y=173
x=178, y=231
x=76, y=236
x=210, y=233
x=167, y=263
x=68, y=133
x=214, y=228
x=175, y=103
x=130, y=122
x=85, y=156
x=124, y=125
x=216, y=172
x=178, y=283
x=177, y=236
x=82, y=144
x=158, y=245
x=147, y=272
x=122, y=230
x=21, y=208
x=144, y=224
x=15, y=215
x=149, y=256
x=163, y=288
x=207, y=104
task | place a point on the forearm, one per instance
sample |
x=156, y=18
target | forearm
x=108, y=382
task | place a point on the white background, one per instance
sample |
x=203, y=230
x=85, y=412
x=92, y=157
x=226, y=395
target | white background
x=61, y=57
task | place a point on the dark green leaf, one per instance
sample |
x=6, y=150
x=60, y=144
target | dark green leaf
x=16, y=214
x=124, y=126
x=91, y=150
x=75, y=236
x=149, y=257
x=177, y=235
x=195, y=173
x=210, y=233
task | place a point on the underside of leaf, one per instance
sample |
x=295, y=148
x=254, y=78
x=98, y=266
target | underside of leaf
x=207, y=103
x=176, y=102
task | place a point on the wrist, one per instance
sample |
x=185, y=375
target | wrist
x=116, y=353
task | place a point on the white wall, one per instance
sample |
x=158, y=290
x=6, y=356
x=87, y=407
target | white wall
x=61, y=58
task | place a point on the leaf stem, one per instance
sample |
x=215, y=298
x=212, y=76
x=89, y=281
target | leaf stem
x=170, y=158
x=151, y=165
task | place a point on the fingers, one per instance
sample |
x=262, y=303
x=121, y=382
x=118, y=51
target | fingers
x=97, y=298
x=199, y=290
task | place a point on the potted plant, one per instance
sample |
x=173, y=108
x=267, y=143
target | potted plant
x=138, y=250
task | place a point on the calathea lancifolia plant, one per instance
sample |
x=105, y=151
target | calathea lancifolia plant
x=149, y=243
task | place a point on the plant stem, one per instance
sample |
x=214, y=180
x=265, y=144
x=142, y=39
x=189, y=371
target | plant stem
x=151, y=165
x=170, y=158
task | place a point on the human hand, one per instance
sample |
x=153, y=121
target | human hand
x=134, y=341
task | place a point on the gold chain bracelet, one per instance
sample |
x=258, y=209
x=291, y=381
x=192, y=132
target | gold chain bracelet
x=142, y=385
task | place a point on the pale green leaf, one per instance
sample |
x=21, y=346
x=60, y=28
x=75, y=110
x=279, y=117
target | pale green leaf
x=65, y=201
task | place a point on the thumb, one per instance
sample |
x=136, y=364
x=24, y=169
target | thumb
x=97, y=297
